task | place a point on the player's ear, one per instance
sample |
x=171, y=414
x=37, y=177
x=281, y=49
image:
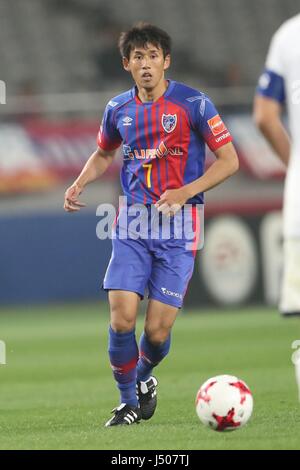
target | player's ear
x=167, y=62
x=125, y=62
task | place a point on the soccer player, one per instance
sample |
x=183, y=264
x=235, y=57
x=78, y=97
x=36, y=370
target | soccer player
x=163, y=127
x=280, y=84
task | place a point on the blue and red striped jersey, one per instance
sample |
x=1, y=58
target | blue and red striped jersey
x=163, y=141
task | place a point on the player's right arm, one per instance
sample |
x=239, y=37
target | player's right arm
x=269, y=100
x=96, y=165
x=108, y=141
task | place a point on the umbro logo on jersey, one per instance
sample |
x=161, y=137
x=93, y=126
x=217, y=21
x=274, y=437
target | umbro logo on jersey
x=127, y=121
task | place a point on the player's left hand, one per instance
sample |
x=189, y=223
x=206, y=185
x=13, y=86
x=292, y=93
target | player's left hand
x=171, y=201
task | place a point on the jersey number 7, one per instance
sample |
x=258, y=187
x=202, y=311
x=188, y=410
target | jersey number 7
x=148, y=167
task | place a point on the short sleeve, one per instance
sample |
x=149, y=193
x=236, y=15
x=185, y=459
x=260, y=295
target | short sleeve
x=108, y=137
x=275, y=57
x=210, y=125
x=271, y=82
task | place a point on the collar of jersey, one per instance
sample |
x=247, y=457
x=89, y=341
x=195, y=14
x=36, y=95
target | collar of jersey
x=160, y=99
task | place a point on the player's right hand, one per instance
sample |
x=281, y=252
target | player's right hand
x=72, y=203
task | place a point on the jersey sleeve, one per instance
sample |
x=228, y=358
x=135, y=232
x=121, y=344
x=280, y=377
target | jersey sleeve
x=271, y=82
x=275, y=57
x=210, y=125
x=108, y=137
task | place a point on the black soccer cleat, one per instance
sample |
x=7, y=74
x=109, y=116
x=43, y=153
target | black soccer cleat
x=147, y=396
x=293, y=314
x=124, y=415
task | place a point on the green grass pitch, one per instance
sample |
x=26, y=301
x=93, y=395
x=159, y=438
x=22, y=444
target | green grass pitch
x=56, y=390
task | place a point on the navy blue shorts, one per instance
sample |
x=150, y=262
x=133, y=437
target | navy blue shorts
x=151, y=255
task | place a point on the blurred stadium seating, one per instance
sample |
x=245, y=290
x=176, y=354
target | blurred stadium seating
x=55, y=44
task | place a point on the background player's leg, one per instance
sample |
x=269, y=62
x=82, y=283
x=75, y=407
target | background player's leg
x=155, y=341
x=290, y=294
x=297, y=370
x=123, y=349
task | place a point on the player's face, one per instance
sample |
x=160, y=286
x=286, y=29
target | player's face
x=147, y=66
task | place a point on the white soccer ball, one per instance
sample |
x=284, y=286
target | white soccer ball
x=224, y=403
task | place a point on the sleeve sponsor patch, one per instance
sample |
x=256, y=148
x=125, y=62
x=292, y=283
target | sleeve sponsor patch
x=216, y=125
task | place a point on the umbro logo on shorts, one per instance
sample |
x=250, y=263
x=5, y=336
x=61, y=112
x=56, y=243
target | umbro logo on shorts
x=172, y=294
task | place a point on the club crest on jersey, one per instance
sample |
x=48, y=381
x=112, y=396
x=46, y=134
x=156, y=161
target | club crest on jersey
x=169, y=122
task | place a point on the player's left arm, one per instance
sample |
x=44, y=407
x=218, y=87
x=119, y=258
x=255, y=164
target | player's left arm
x=226, y=164
x=207, y=122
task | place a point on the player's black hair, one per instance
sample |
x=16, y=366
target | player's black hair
x=141, y=34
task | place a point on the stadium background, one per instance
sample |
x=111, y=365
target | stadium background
x=59, y=65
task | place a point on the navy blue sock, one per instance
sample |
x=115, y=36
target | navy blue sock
x=150, y=356
x=123, y=354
